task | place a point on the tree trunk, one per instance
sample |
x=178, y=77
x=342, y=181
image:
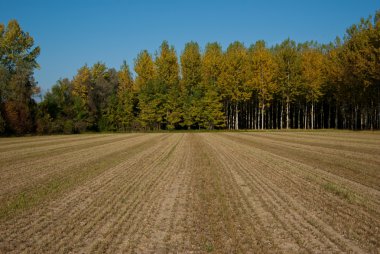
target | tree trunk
x=329, y=117
x=356, y=118
x=262, y=116
x=373, y=111
x=278, y=115
x=271, y=116
x=229, y=113
x=232, y=117
x=363, y=119
x=305, y=117
x=254, y=115
x=322, y=121
x=226, y=114
x=378, y=114
x=236, y=117
x=312, y=115
x=293, y=123
x=257, y=115
x=299, y=116
x=250, y=114
x=282, y=109
x=287, y=113
x=336, y=116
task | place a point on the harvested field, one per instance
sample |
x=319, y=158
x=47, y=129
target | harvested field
x=227, y=192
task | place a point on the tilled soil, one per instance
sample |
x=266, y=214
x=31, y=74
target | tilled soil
x=227, y=192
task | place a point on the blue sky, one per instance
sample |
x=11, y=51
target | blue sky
x=72, y=33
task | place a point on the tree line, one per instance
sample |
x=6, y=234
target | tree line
x=289, y=85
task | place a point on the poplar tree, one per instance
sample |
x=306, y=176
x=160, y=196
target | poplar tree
x=125, y=98
x=312, y=64
x=145, y=86
x=233, y=79
x=145, y=70
x=212, y=115
x=288, y=75
x=191, y=89
x=82, y=86
x=168, y=84
x=335, y=85
x=360, y=54
x=211, y=67
x=211, y=111
x=262, y=70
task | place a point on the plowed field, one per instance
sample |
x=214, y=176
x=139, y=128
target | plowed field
x=245, y=192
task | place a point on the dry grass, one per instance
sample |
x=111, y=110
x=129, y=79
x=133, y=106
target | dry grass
x=246, y=192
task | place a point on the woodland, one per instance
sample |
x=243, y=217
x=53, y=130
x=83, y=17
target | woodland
x=290, y=85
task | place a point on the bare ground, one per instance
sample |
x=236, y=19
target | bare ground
x=246, y=192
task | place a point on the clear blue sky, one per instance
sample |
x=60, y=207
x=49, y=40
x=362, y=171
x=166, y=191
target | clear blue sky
x=74, y=32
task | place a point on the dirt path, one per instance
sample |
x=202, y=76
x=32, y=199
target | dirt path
x=191, y=193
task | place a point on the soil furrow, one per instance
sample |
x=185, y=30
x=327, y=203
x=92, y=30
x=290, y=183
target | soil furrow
x=24, y=179
x=254, y=192
x=285, y=222
x=73, y=201
x=308, y=198
x=347, y=168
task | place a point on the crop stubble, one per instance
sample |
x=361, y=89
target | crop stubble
x=191, y=192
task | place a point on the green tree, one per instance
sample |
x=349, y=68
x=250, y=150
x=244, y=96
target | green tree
x=82, y=85
x=288, y=75
x=55, y=112
x=174, y=108
x=233, y=79
x=360, y=55
x=168, y=81
x=212, y=61
x=151, y=105
x=4, y=76
x=105, y=84
x=167, y=65
x=145, y=70
x=333, y=72
x=211, y=106
x=17, y=86
x=211, y=114
x=191, y=67
x=312, y=64
x=17, y=47
x=149, y=101
x=125, y=97
x=191, y=82
x=262, y=71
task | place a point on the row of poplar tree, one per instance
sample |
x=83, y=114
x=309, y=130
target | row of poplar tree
x=289, y=85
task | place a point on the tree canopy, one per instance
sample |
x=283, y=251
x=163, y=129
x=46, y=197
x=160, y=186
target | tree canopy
x=288, y=85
